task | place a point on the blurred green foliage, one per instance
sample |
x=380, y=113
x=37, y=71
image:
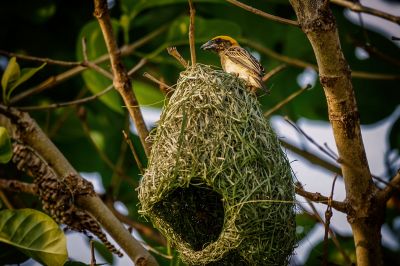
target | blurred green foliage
x=54, y=29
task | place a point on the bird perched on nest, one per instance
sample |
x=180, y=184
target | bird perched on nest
x=236, y=60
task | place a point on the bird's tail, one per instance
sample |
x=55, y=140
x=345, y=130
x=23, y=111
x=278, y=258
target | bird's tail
x=260, y=85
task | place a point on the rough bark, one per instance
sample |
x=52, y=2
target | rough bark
x=31, y=135
x=317, y=22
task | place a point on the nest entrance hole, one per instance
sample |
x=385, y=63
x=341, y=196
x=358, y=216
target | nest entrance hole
x=195, y=213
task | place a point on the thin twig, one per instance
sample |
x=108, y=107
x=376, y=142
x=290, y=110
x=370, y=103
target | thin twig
x=317, y=197
x=5, y=200
x=357, y=7
x=122, y=83
x=134, y=153
x=41, y=59
x=174, y=52
x=92, y=65
x=155, y=251
x=311, y=140
x=66, y=104
x=329, y=152
x=379, y=54
x=273, y=72
x=18, y=186
x=263, y=14
x=103, y=156
x=286, y=101
x=143, y=229
x=388, y=191
x=92, y=255
x=318, y=218
x=303, y=64
x=115, y=183
x=55, y=80
x=98, y=69
x=163, y=88
x=83, y=100
x=328, y=216
x=191, y=33
x=150, y=77
x=312, y=158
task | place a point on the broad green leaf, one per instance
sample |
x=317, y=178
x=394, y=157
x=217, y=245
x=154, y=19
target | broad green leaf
x=5, y=146
x=35, y=234
x=11, y=255
x=26, y=74
x=95, y=48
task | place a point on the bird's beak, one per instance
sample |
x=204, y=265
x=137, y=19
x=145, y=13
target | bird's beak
x=210, y=45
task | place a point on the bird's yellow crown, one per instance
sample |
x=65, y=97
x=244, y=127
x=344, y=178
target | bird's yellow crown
x=227, y=38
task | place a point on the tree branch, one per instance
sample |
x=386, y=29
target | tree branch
x=263, y=14
x=121, y=81
x=357, y=7
x=317, y=197
x=318, y=23
x=33, y=136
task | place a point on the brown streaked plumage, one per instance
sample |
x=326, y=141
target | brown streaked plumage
x=236, y=60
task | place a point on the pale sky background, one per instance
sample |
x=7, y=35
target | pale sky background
x=313, y=178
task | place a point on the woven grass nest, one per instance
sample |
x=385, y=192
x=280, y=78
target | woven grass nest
x=218, y=185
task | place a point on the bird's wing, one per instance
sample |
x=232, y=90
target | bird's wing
x=242, y=57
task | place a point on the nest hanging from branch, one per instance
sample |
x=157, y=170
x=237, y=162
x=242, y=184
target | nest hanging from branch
x=218, y=185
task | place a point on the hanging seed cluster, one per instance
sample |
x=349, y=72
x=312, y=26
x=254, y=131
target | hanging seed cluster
x=58, y=196
x=218, y=185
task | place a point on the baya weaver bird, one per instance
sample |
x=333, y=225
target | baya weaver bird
x=238, y=61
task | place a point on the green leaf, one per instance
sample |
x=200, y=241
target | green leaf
x=10, y=75
x=11, y=255
x=95, y=48
x=26, y=74
x=104, y=252
x=5, y=146
x=35, y=234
